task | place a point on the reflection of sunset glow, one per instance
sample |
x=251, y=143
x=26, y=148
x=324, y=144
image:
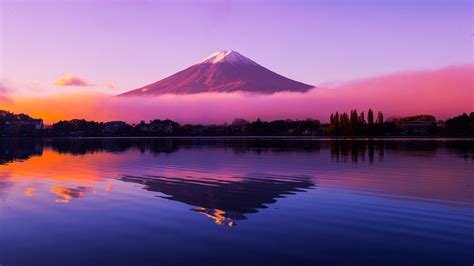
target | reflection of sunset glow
x=66, y=194
x=29, y=191
x=67, y=168
x=217, y=215
x=184, y=167
x=108, y=187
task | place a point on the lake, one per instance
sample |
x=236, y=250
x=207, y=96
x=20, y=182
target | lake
x=220, y=201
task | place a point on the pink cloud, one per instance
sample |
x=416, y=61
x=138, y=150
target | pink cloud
x=4, y=88
x=71, y=80
x=4, y=91
x=444, y=93
x=110, y=86
x=5, y=99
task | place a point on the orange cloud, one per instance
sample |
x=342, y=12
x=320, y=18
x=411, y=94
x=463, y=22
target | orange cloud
x=71, y=80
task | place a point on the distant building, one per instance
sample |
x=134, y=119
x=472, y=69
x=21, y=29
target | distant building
x=197, y=130
x=159, y=127
x=418, y=127
x=144, y=127
x=22, y=128
x=114, y=127
x=19, y=124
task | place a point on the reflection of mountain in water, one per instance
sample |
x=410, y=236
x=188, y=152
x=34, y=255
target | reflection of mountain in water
x=224, y=202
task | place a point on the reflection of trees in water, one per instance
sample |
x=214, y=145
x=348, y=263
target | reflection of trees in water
x=357, y=150
x=224, y=202
x=14, y=149
x=85, y=146
x=261, y=145
x=22, y=149
x=463, y=149
x=375, y=149
x=340, y=149
x=170, y=145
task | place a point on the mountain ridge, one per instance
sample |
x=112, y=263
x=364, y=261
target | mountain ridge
x=222, y=71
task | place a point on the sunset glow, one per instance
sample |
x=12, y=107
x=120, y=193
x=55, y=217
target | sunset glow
x=236, y=132
x=443, y=93
x=375, y=70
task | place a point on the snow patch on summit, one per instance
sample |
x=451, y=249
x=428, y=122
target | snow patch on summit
x=227, y=57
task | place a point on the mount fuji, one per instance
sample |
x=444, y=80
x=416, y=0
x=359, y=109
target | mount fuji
x=223, y=71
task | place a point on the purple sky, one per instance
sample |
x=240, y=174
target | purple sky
x=132, y=43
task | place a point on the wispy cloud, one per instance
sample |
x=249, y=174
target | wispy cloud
x=4, y=90
x=71, y=80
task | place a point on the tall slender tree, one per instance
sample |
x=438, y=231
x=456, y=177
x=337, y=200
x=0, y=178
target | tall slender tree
x=337, y=123
x=346, y=124
x=354, y=121
x=362, y=118
x=370, y=117
x=380, y=118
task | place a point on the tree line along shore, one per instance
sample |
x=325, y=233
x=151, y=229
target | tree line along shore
x=341, y=124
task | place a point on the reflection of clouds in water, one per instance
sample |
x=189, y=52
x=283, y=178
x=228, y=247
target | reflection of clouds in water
x=64, y=194
x=29, y=191
x=219, y=216
x=4, y=186
x=108, y=187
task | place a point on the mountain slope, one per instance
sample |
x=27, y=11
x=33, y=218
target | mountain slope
x=225, y=71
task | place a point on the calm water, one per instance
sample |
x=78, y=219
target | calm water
x=236, y=202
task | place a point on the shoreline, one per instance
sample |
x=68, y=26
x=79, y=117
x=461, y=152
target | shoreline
x=323, y=138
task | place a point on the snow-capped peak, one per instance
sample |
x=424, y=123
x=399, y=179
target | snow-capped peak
x=227, y=57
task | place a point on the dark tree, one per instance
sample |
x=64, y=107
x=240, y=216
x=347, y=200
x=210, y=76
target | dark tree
x=462, y=125
x=362, y=119
x=346, y=124
x=354, y=122
x=380, y=118
x=370, y=117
